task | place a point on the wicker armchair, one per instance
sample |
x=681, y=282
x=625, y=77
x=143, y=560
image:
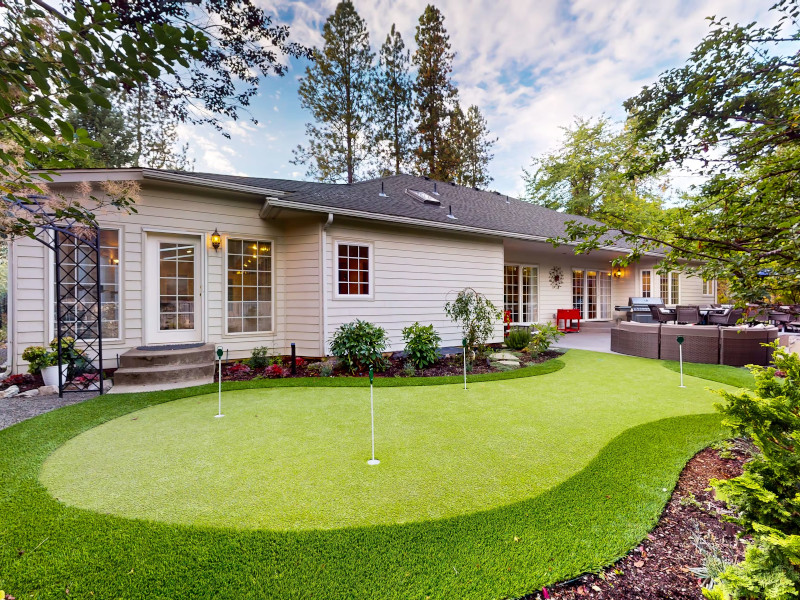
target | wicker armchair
x=758, y=315
x=660, y=316
x=731, y=316
x=689, y=315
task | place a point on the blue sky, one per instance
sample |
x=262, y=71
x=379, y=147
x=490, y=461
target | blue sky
x=531, y=67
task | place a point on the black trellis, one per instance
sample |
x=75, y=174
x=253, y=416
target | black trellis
x=78, y=294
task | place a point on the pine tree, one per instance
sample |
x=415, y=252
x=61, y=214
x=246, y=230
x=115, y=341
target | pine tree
x=474, y=148
x=106, y=125
x=337, y=89
x=155, y=130
x=434, y=93
x=393, y=104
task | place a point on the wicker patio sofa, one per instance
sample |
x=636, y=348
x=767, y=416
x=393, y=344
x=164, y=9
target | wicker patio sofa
x=742, y=345
x=700, y=343
x=636, y=339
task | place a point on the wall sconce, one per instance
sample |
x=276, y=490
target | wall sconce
x=216, y=240
x=617, y=273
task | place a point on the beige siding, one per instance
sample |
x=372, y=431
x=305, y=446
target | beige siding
x=415, y=273
x=302, y=286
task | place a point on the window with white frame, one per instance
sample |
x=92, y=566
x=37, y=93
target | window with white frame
x=521, y=293
x=76, y=263
x=249, y=276
x=647, y=283
x=708, y=287
x=353, y=269
x=670, y=288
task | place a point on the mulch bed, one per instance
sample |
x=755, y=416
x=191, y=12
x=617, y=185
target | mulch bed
x=659, y=567
x=448, y=365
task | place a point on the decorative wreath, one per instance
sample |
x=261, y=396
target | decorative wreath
x=556, y=277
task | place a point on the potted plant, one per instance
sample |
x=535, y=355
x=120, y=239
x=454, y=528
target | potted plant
x=41, y=361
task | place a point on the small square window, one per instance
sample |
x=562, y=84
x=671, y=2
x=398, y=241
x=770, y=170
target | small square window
x=353, y=269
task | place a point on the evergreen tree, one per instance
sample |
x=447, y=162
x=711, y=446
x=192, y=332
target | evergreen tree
x=106, y=125
x=155, y=130
x=393, y=104
x=435, y=94
x=337, y=89
x=472, y=147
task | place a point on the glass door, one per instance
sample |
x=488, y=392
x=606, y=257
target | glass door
x=173, y=289
x=591, y=293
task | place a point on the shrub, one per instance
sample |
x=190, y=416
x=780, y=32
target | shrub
x=326, y=369
x=409, y=370
x=299, y=362
x=518, y=338
x=38, y=358
x=765, y=497
x=358, y=345
x=20, y=379
x=260, y=357
x=276, y=372
x=422, y=344
x=543, y=337
x=475, y=315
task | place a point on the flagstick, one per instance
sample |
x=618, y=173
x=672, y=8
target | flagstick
x=464, y=342
x=373, y=461
x=680, y=354
x=219, y=411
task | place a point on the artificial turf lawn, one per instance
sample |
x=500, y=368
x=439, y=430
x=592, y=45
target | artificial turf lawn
x=295, y=458
x=733, y=376
x=580, y=524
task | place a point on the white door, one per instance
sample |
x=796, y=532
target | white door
x=173, y=294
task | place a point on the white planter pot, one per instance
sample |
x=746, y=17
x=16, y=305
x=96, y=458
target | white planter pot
x=50, y=375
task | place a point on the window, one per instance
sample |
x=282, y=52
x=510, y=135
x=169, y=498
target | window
x=353, y=269
x=591, y=293
x=77, y=273
x=249, y=286
x=521, y=293
x=669, y=288
x=708, y=287
x=647, y=280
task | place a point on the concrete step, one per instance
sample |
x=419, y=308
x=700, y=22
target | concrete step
x=164, y=374
x=155, y=358
x=155, y=387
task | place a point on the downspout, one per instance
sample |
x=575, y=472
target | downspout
x=325, y=287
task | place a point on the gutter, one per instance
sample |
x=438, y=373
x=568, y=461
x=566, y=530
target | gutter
x=290, y=204
x=324, y=267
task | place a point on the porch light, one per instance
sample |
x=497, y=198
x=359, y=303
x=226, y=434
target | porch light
x=617, y=272
x=216, y=239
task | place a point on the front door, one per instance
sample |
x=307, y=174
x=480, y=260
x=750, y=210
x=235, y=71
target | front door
x=591, y=293
x=173, y=294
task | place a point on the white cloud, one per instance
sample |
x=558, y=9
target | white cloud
x=211, y=152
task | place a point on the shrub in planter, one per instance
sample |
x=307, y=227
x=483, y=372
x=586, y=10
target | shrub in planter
x=422, y=344
x=38, y=358
x=358, y=345
x=260, y=357
x=276, y=371
x=475, y=314
x=543, y=337
x=518, y=338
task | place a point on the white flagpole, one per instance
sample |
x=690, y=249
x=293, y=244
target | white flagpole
x=219, y=359
x=373, y=461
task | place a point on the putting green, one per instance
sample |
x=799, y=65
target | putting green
x=296, y=458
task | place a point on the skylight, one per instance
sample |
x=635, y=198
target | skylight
x=423, y=197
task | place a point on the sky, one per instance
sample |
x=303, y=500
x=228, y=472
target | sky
x=531, y=66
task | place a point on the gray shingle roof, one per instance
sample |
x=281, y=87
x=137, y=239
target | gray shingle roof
x=472, y=208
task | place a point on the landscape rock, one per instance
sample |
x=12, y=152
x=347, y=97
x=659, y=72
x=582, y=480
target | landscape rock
x=11, y=392
x=47, y=390
x=29, y=394
x=107, y=385
x=503, y=356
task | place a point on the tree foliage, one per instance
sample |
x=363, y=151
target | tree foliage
x=434, y=95
x=337, y=90
x=393, y=98
x=732, y=116
x=765, y=497
x=587, y=175
x=205, y=57
x=472, y=143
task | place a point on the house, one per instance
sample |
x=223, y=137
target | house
x=296, y=260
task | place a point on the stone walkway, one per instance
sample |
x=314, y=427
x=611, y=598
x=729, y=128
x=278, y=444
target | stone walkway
x=15, y=410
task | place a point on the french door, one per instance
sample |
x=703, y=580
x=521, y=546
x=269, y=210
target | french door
x=172, y=291
x=591, y=293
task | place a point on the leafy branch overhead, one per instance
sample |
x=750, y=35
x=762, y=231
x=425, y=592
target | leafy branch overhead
x=205, y=60
x=731, y=116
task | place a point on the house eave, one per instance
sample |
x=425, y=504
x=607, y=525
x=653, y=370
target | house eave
x=272, y=204
x=185, y=179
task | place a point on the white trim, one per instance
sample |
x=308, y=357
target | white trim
x=325, y=287
x=522, y=266
x=272, y=270
x=282, y=203
x=370, y=263
x=200, y=181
